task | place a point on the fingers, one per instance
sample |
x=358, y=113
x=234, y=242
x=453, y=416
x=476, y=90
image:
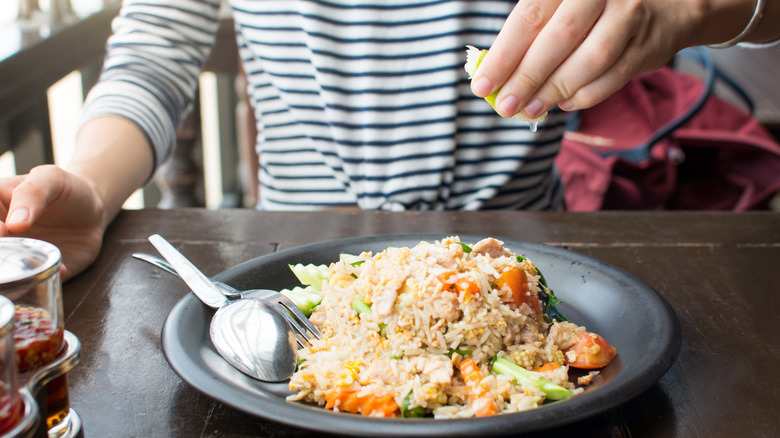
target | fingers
x=30, y=196
x=601, y=88
x=607, y=50
x=560, y=37
x=571, y=53
x=522, y=25
x=7, y=187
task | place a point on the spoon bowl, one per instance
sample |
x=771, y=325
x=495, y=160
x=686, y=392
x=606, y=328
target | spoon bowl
x=255, y=339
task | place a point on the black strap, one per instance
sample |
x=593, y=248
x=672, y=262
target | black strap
x=701, y=55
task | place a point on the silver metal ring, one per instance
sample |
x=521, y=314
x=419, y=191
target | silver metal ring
x=751, y=26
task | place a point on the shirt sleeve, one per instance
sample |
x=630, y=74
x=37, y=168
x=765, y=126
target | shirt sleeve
x=152, y=64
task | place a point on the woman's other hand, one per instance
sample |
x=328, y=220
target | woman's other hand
x=53, y=205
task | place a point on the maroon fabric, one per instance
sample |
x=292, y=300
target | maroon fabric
x=721, y=159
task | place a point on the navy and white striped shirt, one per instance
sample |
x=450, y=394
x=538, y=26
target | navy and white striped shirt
x=358, y=102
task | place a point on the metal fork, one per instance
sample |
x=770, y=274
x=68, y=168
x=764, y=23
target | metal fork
x=304, y=329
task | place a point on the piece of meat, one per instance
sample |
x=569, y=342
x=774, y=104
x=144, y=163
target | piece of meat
x=438, y=370
x=587, y=379
x=492, y=247
x=380, y=370
x=444, y=256
x=446, y=306
x=563, y=335
x=384, y=300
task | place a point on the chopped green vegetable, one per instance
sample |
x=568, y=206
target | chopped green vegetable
x=305, y=298
x=416, y=412
x=466, y=248
x=460, y=352
x=311, y=275
x=360, y=306
x=520, y=374
x=350, y=259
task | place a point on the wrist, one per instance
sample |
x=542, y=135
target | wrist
x=80, y=169
x=719, y=21
x=114, y=159
x=748, y=30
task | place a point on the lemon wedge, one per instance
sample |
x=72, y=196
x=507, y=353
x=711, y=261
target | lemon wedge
x=473, y=59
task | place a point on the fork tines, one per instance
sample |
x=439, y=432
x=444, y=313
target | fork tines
x=304, y=329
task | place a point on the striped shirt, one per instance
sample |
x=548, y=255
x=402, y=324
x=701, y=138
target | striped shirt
x=357, y=102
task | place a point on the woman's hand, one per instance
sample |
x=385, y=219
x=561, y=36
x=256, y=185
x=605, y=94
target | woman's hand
x=72, y=208
x=53, y=205
x=576, y=53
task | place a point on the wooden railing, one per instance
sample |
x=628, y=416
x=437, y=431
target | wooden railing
x=45, y=53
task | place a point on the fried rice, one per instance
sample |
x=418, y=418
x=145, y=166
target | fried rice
x=414, y=330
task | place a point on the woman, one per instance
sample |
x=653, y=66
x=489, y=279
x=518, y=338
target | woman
x=365, y=103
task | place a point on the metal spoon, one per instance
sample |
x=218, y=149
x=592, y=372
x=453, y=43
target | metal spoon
x=248, y=333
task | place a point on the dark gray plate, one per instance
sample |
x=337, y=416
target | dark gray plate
x=626, y=312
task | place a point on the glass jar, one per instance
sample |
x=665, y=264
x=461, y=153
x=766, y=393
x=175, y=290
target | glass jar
x=30, y=278
x=18, y=411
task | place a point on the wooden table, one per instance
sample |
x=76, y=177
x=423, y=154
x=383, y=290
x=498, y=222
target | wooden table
x=719, y=271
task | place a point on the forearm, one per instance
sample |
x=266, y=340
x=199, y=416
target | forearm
x=114, y=156
x=151, y=70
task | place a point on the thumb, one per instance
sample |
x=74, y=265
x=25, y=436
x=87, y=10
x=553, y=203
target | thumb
x=30, y=198
x=18, y=219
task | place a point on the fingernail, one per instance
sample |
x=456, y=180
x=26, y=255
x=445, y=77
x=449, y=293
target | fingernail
x=534, y=109
x=482, y=87
x=566, y=105
x=18, y=216
x=508, y=106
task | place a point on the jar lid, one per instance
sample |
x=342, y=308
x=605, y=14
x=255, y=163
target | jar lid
x=24, y=260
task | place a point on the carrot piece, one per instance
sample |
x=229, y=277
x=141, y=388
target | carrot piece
x=483, y=405
x=447, y=279
x=517, y=282
x=368, y=405
x=466, y=287
x=548, y=367
x=471, y=374
x=384, y=406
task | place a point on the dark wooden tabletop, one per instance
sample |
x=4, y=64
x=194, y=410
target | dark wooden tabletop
x=719, y=271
